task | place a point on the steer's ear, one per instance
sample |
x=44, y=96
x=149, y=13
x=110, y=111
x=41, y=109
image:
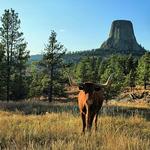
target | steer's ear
x=81, y=86
x=97, y=87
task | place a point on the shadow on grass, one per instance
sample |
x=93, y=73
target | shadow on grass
x=40, y=108
x=126, y=111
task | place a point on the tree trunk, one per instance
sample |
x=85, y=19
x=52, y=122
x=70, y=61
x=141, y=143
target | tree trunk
x=144, y=85
x=50, y=93
x=8, y=84
x=144, y=82
x=20, y=96
x=8, y=69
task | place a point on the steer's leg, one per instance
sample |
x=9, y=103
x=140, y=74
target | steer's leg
x=83, y=121
x=90, y=117
x=96, y=118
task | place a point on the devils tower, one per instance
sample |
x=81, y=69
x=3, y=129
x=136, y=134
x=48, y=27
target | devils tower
x=122, y=38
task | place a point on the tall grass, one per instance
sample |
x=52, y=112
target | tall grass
x=62, y=131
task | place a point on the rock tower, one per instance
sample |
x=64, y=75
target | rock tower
x=121, y=37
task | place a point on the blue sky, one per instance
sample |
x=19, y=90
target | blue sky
x=80, y=24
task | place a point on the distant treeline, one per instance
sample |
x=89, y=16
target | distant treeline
x=75, y=57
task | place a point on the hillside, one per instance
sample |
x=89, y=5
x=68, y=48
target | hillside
x=36, y=57
x=74, y=57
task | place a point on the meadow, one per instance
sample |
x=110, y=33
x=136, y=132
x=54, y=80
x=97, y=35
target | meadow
x=57, y=126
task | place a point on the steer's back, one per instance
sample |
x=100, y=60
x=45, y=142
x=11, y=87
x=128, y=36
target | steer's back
x=98, y=97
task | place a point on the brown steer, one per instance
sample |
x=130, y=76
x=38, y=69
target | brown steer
x=90, y=100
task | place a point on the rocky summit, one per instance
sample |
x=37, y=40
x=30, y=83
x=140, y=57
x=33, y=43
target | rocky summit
x=122, y=38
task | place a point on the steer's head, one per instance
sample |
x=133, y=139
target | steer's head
x=89, y=87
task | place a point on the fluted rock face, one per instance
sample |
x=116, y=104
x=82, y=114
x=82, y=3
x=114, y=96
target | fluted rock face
x=122, y=37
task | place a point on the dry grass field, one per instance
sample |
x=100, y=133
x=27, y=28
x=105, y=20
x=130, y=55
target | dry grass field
x=57, y=126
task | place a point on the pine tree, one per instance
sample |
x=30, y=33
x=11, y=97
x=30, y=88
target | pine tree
x=2, y=73
x=13, y=43
x=113, y=65
x=38, y=81
x=84, y=70
x=143, y=70
x=53, y=62
x=20, y=77
x=131, y=65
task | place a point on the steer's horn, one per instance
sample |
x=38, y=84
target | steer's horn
x=71, y=82
x=109, y=80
